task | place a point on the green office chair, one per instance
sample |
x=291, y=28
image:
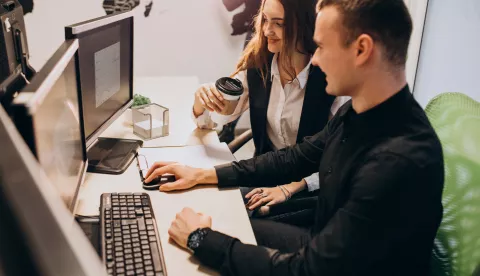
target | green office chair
x=456, y=119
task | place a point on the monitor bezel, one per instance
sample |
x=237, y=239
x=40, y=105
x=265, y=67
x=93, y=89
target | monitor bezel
x=76, y=31
x=32, y=96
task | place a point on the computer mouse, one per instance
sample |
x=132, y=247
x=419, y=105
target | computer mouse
x=158, y=181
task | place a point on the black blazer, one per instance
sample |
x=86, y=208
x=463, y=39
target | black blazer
x=315, y=110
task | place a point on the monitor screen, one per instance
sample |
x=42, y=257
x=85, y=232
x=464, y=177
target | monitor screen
x=106, y=69
x=47, y=114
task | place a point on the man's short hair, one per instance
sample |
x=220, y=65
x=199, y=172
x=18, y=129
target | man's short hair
x=387, y=21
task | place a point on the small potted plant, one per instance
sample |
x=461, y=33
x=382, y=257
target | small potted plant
x=138, y=100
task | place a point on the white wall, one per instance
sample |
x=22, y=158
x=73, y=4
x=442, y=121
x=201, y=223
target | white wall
x=179, y=38
x=417, y=10
x=450, y=53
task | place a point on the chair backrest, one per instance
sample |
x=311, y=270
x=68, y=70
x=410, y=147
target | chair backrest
x=456, y=119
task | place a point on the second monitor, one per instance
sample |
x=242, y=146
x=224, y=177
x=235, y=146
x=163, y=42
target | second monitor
x=105, y=65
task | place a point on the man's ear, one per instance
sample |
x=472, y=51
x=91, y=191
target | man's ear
x=364, y=49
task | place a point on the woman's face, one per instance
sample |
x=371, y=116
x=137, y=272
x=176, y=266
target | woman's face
x=273, y=19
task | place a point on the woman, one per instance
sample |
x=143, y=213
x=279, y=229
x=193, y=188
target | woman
x=284, y=92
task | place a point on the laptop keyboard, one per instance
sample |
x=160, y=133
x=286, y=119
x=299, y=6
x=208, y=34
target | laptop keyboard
x=130, y=240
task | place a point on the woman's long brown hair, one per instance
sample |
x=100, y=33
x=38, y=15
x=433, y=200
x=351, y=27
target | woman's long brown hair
x=299, y=25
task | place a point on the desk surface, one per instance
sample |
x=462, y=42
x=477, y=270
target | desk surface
x=231, y=218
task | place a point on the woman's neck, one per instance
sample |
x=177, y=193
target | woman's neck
x=299, y=61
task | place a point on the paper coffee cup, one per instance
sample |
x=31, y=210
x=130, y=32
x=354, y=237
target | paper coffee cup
x=231, y=90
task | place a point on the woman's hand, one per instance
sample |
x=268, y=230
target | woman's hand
x=265, y=196
x=208, y=97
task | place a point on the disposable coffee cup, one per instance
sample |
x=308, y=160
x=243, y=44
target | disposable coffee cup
x=231, y=90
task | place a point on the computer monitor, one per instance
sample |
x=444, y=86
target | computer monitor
x=15, y=70
x=43, y=238
x=105, y=60
x=47, y=114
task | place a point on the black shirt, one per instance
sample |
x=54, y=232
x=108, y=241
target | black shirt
x=379, y=205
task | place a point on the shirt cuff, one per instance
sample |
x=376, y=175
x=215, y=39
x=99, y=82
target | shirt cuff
x=203, y=121
x=213, y=248
x=313, y=182
x=226, y=176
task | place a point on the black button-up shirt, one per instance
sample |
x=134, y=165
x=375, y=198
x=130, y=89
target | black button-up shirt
x=379, y=205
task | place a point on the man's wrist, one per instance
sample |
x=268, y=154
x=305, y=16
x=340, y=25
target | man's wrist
x=207, y=176
x=196, y=237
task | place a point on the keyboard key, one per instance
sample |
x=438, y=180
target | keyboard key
x=148, y=262
x=109, y=252
x=145, y=246
x=110, y=264
x=144, y=237
x=109, y=258
x=131, y=216
x=150, y=273
x=144, y=242
x=128, y=256
x=136, y=240
x=156, y=257
x=129, y=267
x=148, y=216
x=108, y=235
x=119, y=260
x=152, y=238
x=137, y=255
x=110, y=271
x=129, y=261
x=119, y=254
x=145, y=202
x=138, y=260
x=118, y=248
x=151, y=233
x=136, y=244
x=148, y=257
x=116, y=217
x=127, y=241
x=127, y=246
x=119, y=265
x=127, y=251
x=119, y=270
x=149, y=221
x=146, y=252
x=139, y=271
x=126, y=237
x=135, y=235
x=137, y=249
x=149, y=268
x=130, y=272
x=134, y=230
x=109, y=246
x=150, y=227
x=143, y=233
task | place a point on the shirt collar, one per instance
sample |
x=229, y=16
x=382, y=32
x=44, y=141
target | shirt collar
x=302, y=77
x=387, y=112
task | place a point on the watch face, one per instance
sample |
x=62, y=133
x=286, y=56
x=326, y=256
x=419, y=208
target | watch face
x=195, y=238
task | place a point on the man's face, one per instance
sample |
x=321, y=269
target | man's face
x=335, y=59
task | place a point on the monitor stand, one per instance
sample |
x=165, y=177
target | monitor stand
x=112, y=155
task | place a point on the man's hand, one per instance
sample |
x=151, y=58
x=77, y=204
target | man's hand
x=185, y=223
x=186, y=177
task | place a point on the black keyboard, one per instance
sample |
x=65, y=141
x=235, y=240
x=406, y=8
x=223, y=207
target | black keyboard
x=130, y=240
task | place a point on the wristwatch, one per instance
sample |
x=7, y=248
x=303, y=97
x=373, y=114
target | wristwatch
x=196, y=237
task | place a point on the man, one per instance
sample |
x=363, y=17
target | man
x=380, y=165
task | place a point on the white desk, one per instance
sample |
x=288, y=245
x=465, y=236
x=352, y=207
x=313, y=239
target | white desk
x=226, y=207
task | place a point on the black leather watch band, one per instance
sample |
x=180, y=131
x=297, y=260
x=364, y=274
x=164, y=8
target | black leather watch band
x=196, y=237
